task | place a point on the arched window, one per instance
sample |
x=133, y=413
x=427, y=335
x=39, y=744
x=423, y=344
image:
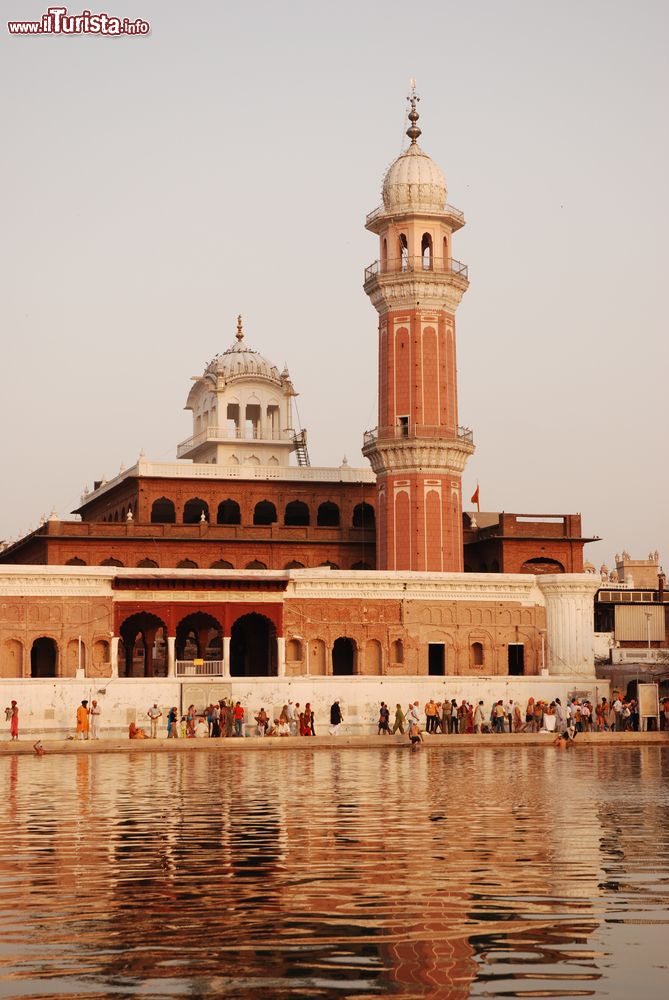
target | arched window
x=186, y=564
x=426, y=251
x=294, y=652
x=256, y=564
x=163, y=512
x=296, y=514
x=76, y=561
x=363, y=516
x=111, y=562
x=116, y=515
x=384, y=255
x=404, y=253
x=193, y=510
x=476, y=653
x=330, y=565
x=147, y=564
x=221, y=564
x=294, y=565
x=361, y=565
x=264, y=513
x=328, y=515
x=398, y=651
x=228, y=512
x=446, y=254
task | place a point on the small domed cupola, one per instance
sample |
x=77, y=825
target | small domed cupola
x=242, y=412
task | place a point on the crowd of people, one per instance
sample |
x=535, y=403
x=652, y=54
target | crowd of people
x=227, y=718
x=618, y=714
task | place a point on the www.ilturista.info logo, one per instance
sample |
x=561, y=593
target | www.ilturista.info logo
x=57, y=21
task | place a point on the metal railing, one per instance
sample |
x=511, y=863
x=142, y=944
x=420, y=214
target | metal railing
x=449, y=210
x=209, y=668
x=232, y=433
x=420, y=264
x=416, y=431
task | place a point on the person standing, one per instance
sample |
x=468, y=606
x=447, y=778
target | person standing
x=154, y=714
x=95, y=714
x=191, y=722
x=309, y=718
x=384, y=720
x=336, y=718
x=413, y=716
x=228, y=720
x=430, y=716
x=399, y=720
x=454, y=716
x=14, y=721
x=479, y=718
x=82, y=721
x=509, y=714
x=172, y=724
x=262, y=719
x=292, y=718
x=238, y=718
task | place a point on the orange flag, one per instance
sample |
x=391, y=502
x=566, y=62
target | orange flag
x=475, y=498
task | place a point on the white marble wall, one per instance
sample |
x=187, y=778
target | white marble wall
x=48, y=707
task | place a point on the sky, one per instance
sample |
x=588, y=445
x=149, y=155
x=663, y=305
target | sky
x=156, y=186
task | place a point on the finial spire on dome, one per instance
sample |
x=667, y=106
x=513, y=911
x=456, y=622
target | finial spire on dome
x=240, y=331
x=413, y=131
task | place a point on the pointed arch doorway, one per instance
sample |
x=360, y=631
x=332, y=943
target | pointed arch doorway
x=253, y=647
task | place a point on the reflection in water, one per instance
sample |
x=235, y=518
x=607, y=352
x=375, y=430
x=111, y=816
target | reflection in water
x=514, y=872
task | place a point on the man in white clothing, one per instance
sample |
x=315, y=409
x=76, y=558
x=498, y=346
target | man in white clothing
x=94, y=716
x=154, y=714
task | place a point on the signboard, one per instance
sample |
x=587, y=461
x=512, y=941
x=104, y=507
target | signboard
x=202, y=695
x=649, y=702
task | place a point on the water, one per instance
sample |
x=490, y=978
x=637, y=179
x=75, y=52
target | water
x=515, y=872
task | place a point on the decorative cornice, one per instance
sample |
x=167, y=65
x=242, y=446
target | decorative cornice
x=409, y=289
x=416, y=454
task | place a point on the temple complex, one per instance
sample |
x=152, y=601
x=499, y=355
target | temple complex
x=241, y=563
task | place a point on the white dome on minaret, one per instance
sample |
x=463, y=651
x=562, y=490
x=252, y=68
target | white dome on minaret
x=414, y=182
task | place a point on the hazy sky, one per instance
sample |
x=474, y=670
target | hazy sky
x=156, y=186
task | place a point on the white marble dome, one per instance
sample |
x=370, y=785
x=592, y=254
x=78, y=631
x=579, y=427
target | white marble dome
x=241, y=360
x=414, y=182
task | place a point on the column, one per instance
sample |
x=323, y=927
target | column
x=280, y=656
x=114, y=656
x=569, y=622
x=226, y=655
x=171, y=655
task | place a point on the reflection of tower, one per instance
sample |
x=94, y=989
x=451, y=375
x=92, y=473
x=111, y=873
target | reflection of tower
x=418, y=452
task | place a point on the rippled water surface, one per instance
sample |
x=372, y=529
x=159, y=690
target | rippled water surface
x=353, y=873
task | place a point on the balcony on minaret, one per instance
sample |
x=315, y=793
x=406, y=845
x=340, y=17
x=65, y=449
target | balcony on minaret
x=406, y=430
x=422, y=263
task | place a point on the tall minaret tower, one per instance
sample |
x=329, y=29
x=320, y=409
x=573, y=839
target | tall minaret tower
x=418, y=451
